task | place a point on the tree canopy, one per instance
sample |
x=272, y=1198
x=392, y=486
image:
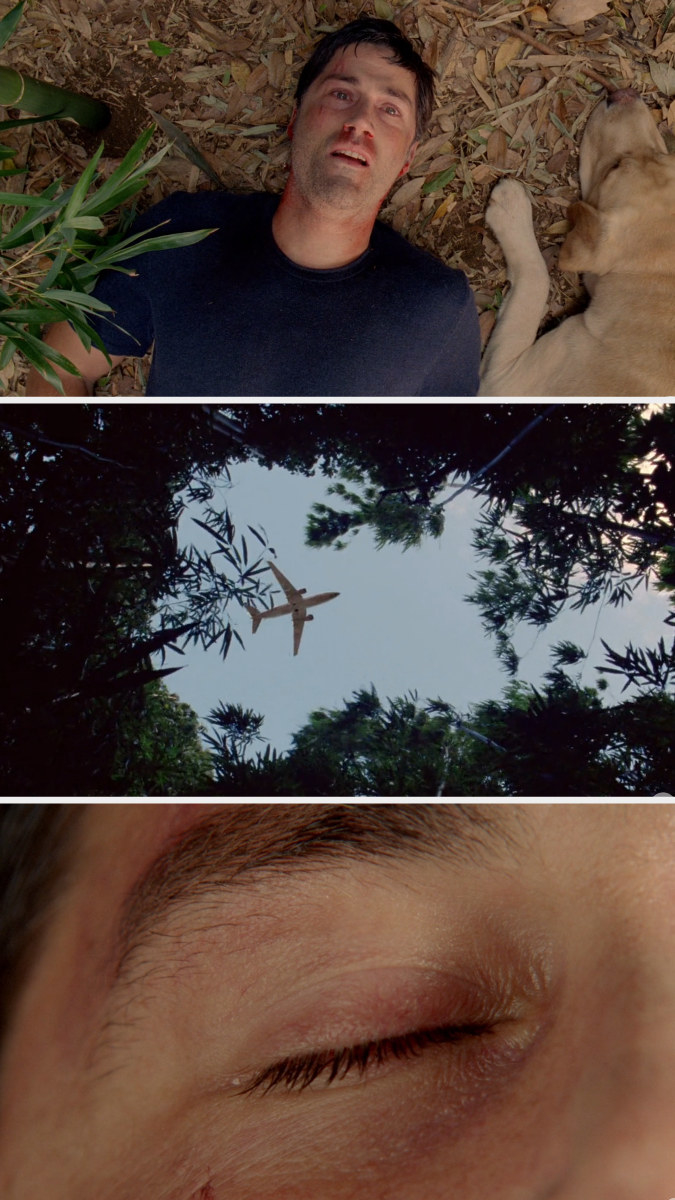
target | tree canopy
x=94, y=584
x=578, y=504
x=555, y=740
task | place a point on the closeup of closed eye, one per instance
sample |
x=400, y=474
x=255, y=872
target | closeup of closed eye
x=299, y=1071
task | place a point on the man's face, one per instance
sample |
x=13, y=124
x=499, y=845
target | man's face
x=471, y=1002
x=353, y=134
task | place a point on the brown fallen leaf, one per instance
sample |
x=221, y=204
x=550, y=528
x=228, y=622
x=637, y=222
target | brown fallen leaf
x=667, y=46
x=508, y=50
x=256, y=80
x=557, y=162
x=480, y=68
x=664, y=77
x=497, y=146
x=571, y=12
x=185, y=145
x=558, y=228
x=240, y=73
x=530, y=84
x=407, y=191
x=445, y=207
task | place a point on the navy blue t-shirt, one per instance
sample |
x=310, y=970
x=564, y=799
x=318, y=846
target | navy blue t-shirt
x=232, y=315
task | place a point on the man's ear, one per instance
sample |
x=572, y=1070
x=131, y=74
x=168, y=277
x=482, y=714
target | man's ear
x=582, y=247
x=411, y=154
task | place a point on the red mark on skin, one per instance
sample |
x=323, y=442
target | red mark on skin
x=205, y=1193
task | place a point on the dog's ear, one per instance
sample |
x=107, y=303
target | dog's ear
x=580, y=250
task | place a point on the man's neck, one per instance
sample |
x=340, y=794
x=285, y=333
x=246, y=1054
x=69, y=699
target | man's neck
x=319, y=237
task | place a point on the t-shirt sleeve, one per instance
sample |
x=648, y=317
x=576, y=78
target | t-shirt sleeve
x=129, y=329
x=455, y=369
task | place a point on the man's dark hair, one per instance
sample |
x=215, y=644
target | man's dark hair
x=35, y=841
x=375, y=33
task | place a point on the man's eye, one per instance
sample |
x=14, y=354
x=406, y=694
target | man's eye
x=339, y=95
x=298, y=1072
x=391, y=110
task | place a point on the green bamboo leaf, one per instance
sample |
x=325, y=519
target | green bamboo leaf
x=32, y=352
x=15, y=122
x=37, y=315
x=135, y=654
x=67, y=296
x=86, y=334
x=94, y=206
x=83, y=223
x=47, y=352
x=38, y=213
x=160, y=49
x=124, y=683
x=122, y=251
x=9, y=23
x=257, y=535
x=18, y=198
x=439, y=181
x=55, y=269
x=214, y=533
x=104, y=198
x=30, y=315
x=131, y=160
x=82, y=186
x=7, y=353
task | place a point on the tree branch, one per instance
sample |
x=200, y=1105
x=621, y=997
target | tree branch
x=493, y=462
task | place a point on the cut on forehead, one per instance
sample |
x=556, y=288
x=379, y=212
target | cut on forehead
x=253, y=843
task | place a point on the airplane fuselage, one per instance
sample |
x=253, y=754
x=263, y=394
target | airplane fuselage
x=297, y=609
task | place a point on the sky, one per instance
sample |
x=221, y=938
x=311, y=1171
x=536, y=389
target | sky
x=400, y=622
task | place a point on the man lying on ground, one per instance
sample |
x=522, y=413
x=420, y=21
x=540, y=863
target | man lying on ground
x=305, y=294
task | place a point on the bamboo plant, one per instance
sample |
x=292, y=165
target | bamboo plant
x=45, y=100
x=52, y=253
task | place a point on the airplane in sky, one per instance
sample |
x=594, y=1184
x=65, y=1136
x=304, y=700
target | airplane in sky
x=296, y=607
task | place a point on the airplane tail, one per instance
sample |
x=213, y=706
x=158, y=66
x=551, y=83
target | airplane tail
x=255, y=615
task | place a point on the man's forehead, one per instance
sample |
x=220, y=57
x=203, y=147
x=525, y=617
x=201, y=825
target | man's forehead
x=360, y=60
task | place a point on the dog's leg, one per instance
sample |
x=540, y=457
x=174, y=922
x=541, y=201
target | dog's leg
x=509, y=215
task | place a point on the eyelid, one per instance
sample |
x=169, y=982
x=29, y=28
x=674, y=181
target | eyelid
x=298, y=1072
x=386, y=1004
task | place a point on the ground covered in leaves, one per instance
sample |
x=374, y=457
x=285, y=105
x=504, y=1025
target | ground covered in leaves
x=515, y=89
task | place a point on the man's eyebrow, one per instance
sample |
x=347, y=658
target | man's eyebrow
x=240, y=844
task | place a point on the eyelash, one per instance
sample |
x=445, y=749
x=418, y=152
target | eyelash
x=298, y=1072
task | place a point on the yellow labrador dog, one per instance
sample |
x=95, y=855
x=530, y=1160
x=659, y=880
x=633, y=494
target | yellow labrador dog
x=623, y=239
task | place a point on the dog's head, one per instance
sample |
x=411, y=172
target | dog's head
x=628, y=186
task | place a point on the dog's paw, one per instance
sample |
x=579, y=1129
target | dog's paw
x=509, y=210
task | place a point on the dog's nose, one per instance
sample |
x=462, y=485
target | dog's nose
x=622, y=96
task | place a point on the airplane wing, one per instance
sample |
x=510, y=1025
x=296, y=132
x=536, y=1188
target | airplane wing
x=292, y=594
x=298, y=624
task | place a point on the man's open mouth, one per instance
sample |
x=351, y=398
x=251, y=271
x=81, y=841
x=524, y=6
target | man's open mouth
x=352, y=155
